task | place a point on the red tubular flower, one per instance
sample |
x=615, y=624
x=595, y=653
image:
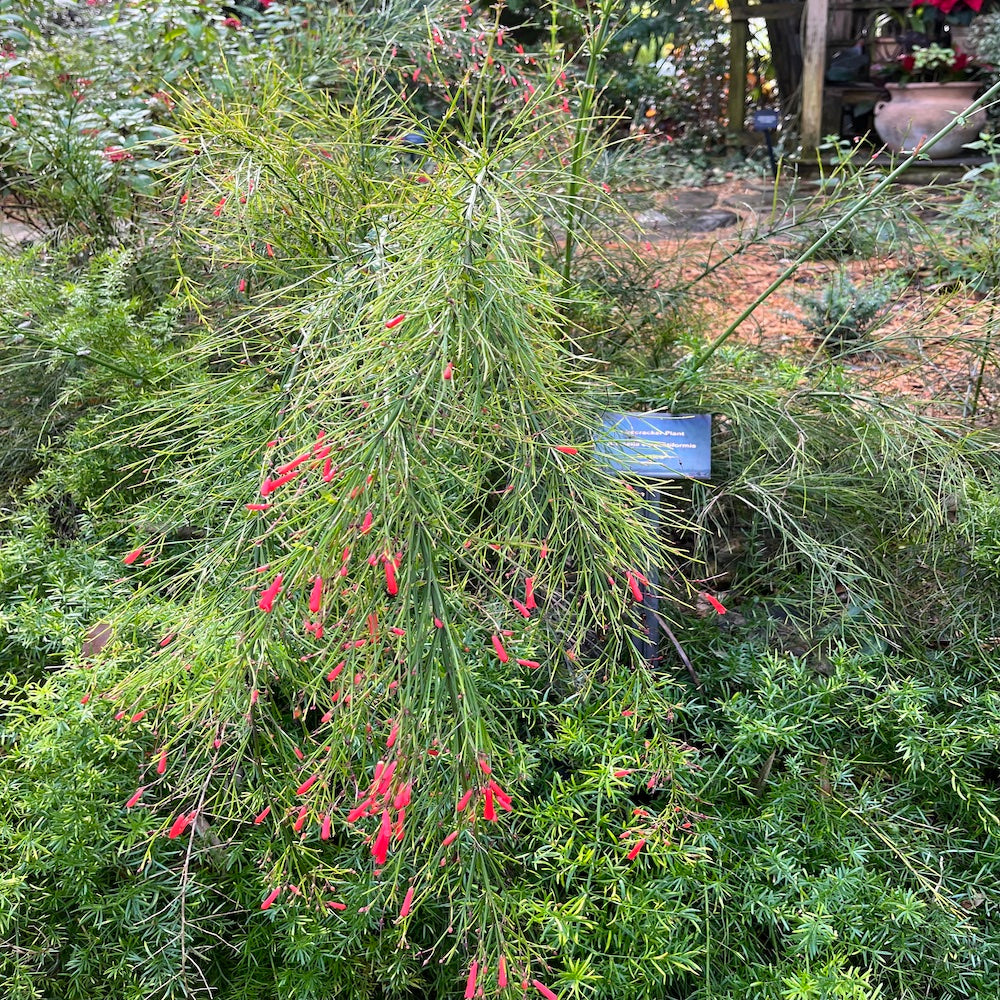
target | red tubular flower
x=381, y=846
x=407, y=902
x=366, y=524
x=395, y=321
x=530, y=664
x=133, y=555
x=448, y=372
x=258, y=506
x=270, y=898
x=139, y=715
x=386, y=779
x=217, y=211
x=523, y=608
x=489, y=812
x=634, y=853
x=544, y=990
x=450, y=839
x=135, y=798
x=307, y=784
x=438, y=623
x=324, y=833
x=393, y=733
x=529, y=592
x=358, y=811
x=260, y=817
x=470, y=983
x=316, y=595
x=502, y=972
x=85, y=698
x=161, y=764
x=294, y=464
x=179, y=826
x=280, y=481
x=502, y=655
x=334, y=905
x=717, y=604
x=402, y=799
x=335, y=673
x=464, y=801
x=300, y=820
x=503, y=799
x=566, y=449
x=12, y=120
x=634, y=586
x=266, y=602
x=484, y=766
x=390, y=579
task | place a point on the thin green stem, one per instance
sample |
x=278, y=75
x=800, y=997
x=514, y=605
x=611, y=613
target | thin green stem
x=597, y=43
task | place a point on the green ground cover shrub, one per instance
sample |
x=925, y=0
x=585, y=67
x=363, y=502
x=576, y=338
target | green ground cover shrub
x=843, y=316
x=288, y=627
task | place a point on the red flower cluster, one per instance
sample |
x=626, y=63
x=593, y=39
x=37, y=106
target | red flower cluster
x=947, y=6
x=492, y=796
x=385, y=794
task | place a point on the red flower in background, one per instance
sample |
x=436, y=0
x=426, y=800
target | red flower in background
x=947, y=6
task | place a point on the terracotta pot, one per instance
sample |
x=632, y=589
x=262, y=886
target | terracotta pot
x=916, y=111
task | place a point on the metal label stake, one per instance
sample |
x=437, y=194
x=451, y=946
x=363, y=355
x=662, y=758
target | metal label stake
x=656, y=446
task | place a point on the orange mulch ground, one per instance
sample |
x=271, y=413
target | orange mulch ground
x=927, y=349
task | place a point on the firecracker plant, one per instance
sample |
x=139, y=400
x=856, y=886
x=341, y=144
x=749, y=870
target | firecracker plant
x=320, y=636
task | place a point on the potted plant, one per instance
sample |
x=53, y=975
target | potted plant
x=930, y=86
x=984, y=39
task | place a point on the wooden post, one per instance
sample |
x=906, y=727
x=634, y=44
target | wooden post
x=813, y=71
x=739, y=32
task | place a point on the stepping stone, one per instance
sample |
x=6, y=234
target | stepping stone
x=706, y=222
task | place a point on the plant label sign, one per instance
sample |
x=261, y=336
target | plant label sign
x=658, y=445
x=765, y=120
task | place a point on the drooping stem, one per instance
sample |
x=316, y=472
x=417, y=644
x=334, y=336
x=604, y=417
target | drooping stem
x=984, y=355
x=596, y=44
